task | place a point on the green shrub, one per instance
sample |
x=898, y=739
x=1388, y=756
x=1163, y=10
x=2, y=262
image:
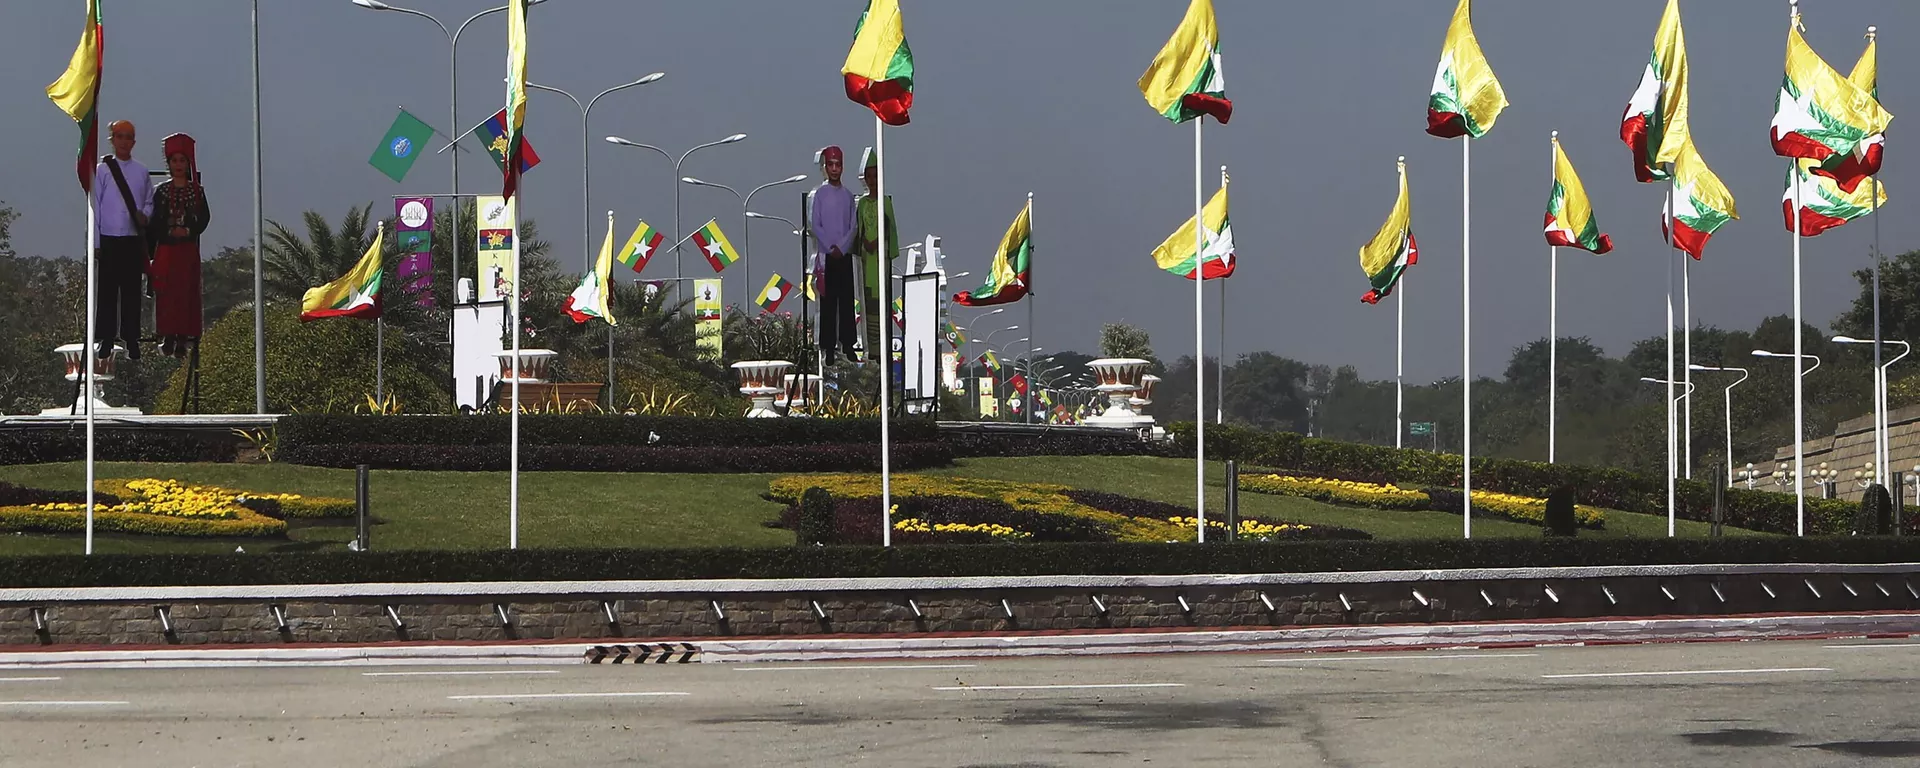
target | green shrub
x=816, y=517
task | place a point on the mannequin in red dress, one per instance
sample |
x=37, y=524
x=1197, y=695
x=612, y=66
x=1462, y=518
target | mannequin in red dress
x=179, y=216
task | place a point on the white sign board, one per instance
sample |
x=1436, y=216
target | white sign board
x=921, y=339
x=479, y=333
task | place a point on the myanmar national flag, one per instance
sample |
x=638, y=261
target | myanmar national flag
x=77, y=92
x=955, y=336
x=879, y=68
x=1569, y=212
x=515, y=113
x=776, y=291
x=991, y=361
x=1820, y=115
x=355, y=294
x=1864, y=160
x=1702, y=205
x=594, y=296
x=1008, y=276
x=1824, y=205
x=713, y=245
x=1386, y=257
x=1466, y=98
x=641, y=247
x=1175, y=254
x=1655, y=123
x=1185, y=80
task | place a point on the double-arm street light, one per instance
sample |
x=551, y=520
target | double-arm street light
x=678, y=233
x=1799, y=445
x=746, y=249
x=1728, y=400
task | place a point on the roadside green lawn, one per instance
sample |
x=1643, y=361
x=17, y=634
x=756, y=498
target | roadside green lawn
x=462, y=510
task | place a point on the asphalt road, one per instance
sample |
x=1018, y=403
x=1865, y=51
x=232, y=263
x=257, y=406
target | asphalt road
x=1838, y=703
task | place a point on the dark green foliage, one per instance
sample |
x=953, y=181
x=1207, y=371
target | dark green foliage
x=53, y=445
x=591, y=430
x=1560, y=520
x=816, y=517
x=829, y=457
x=1875, y=517
x=931, y=560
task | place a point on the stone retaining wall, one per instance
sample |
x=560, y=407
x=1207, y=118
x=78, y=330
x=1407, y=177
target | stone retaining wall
x=893, y=612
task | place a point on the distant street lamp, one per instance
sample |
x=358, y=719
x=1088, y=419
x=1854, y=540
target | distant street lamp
x=746, y=240
x=679, y=233
x=1728, y=400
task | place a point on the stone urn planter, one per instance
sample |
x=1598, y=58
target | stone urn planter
x=761, y=381
x=1119, y=379
x=76, y=356
x=533, y=365
x=1144, y=396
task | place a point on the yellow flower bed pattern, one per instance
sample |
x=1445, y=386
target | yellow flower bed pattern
x=1038, y=498
x=1529, y=509
x=1332, y=491
x=151, y=507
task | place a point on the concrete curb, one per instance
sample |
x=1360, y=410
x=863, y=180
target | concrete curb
x=905, y=584
x=1317, y=639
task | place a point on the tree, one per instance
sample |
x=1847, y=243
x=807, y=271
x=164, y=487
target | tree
x=7, y=215
x=1123, y=340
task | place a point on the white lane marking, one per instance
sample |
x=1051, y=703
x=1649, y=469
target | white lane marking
x=1764, y=671
x=464, y=672
x=1055, y=687
x=1875, y=645
x=26, y=679
x=63, y=703
x=615, y=694
x=1371, y=657
x=808, y=667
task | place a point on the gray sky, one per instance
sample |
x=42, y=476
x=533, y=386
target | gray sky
x=1015, y=96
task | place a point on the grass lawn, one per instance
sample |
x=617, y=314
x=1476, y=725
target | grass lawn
x=461, y=510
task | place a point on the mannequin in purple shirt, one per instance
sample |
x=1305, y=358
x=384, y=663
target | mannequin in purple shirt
x=833, y=228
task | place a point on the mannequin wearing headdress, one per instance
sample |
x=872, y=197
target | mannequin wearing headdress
x=180, y=215
x=866, y=246
x=832, y=224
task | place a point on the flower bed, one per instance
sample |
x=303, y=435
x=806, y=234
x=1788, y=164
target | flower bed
x=1525, y=509
x=1348, y=492
x=162, y=507
x=942, y=510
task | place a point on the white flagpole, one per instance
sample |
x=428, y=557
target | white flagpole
x=1880, y=448
x=1032, y=328
x=1673, y=451
x=1799, y=385
x=1199, y=348
x=1686, y=367
x=88, y=358
x=380, y=360
x=1220, y=370
x=1399, y=357
x=513, y=458
x=885, y=353
x=1466, y=335
x=1553, y=322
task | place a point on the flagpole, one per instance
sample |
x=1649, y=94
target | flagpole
x=259, y=292
x=885, y=353
x=1686, y=367
x=1032, y=330
x=513, y=419
x=1466, y=335
x=1553, y=323
x=1199, y=347
x=1881, y=456
x=380, y=360
x=88, y=352
x=1220, y=377
x=1399, y=357
x=1673, y=243
x=1799, y=385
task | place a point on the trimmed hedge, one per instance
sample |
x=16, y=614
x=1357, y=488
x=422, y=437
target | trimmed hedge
x=56, y=445
x=247, y=523
x=1160, y=510
x=931, y=560
x=968, y=443
x=1596, y=486
x=619, y=458
x=19, y=496
x=302, y=430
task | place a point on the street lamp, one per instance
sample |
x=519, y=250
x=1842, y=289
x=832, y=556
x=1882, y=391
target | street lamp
x=1799, y=447
x=453, y=97
x=1881, y=442
x=1749, y=475
x=1727, y=398
x=678, y=234
x=746, y=250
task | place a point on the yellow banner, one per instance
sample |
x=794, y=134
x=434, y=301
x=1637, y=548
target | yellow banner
x=706, y=317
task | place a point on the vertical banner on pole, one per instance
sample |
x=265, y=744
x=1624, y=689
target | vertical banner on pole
x=989, y=404
x=414, y=229
x=706, y=317
x=497, y=244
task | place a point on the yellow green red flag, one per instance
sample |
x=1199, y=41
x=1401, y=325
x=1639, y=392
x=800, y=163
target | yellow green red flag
x=593, y=298
x=1466, y=98
x=355, y=294
x=77, y=92
x=1655, y=123
x=879, y=67
x=1386, y=257
x=1569, y=213
x=1820, y=115
x=1185, y=80
x=1175, y=254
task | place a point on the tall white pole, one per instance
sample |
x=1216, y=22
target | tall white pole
x=87, y=356
x=1033, y=330
x=1881, y=453
x=1799, y=385
x=259, y=292
x=1673, y=243
x=1553, y=323
x=1220, y=372
x=1199, y=349
x=1399, y=358
x=1466, y=335
x=1686, y=366
x=514, y=287
x=885, y=353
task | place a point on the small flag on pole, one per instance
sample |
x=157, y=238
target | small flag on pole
x=1466, y=97
x=713, y=245
x=401, y=146
x=641, y=247
x=776, y=291
x=355, y=294
x=1008, y=275
x=1570, y=219
x=1702, y=204
x=77, y=93
x=1823, y=204
x=594, y=296
x=1185, y=79
x=1655, y=123
x=493, y=135
x=1386, y=257
x=879, y=66
x=1822, y=116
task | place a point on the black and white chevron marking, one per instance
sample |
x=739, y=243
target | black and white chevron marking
x=644, y=653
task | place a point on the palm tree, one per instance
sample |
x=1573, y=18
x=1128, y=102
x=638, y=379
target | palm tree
x=294, y=264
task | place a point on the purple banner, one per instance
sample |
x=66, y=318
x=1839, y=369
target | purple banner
x=414, y=228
